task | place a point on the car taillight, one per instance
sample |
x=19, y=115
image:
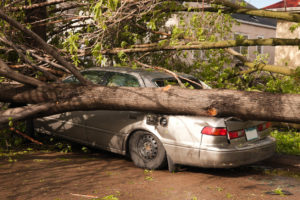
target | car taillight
x=214, y=131
x=222, y=132
x=264, y=126
x=236, y=134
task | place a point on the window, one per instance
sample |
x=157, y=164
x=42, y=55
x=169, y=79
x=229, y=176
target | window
x=241, y=50
x=259, y=49
x=97, y=77
x=119, y=79
x=173, y=81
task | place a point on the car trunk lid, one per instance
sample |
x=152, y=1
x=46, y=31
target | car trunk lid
x=241, y=132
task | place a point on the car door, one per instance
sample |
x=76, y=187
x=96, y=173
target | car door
x=72, y=125
x=104, y=127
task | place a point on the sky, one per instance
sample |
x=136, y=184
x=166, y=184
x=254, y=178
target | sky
x=262, y=3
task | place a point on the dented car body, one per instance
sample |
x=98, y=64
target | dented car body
x=153, y=140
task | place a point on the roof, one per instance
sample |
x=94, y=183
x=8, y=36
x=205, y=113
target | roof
x=280, y=4
x=207, y=4
x=255, y=20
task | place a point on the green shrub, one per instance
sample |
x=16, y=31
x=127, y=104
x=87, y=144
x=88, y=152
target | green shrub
x=288, y=142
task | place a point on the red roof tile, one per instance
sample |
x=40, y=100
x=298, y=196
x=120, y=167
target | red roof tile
x=289, y=3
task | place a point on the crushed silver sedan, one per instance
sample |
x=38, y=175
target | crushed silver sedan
x=155, y=140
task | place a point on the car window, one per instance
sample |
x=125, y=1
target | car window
x=172, y=81
x=97, y=77
x=71, y=79
x=120, y=79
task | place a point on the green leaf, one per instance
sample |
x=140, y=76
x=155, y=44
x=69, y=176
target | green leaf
x=10, y=122
x=124, y=44
x=113, y=4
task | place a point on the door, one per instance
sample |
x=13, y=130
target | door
x=104, y=127
x=72, y=125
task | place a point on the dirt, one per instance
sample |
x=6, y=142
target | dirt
x=59, y=176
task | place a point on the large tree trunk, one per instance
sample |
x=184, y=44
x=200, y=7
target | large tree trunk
x=34, y=15
x=43, y=98
x=220, y=103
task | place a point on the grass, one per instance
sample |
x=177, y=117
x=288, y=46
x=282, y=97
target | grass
x=288, y=142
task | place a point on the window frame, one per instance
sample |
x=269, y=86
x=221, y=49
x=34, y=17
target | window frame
x=262, y=48
x=240, y=49
x=183, y=81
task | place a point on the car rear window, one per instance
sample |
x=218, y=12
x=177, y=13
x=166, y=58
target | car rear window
x=121, y=79
x=172, y=81
x=97, y=77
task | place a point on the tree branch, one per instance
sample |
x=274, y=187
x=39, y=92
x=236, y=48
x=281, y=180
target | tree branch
x=176, y=76
x=24, y=112
x=46, y=60
x=37, y=5
x=163, y=69
x=8, y=73
x=69, y=7
x=287, y=16
x=46, y=73
x=25, y=136
x=261, y=66
x=49, y=49
x=205, y=45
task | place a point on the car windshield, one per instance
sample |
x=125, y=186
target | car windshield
x=172, y=81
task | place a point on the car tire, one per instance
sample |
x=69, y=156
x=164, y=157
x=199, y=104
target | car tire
x=146, y=151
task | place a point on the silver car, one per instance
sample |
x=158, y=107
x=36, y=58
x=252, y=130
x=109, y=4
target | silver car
x=155, y=140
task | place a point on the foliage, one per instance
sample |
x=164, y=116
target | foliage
x=148, y=175
x=294, y=27
x=288, y=142
x=110, y=197
x=71, y=45
x=278, y=191
x=9, y=139
x=64, y=147
x=283, y=84
x=216, y=66
x=85, y=33
x=106, y=24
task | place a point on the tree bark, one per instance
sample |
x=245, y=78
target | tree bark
x=35, y=5
x=9, y=73
x=173, y=100
x=49, y=49
x=261, y=66
x=37, y=14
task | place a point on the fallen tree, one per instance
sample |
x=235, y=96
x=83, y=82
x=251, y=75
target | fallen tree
x=44, y=98
x=60, y=98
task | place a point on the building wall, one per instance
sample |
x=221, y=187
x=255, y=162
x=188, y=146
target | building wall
x=287, y=55
x=254, y=32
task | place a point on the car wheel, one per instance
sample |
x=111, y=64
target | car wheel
x=146, y=151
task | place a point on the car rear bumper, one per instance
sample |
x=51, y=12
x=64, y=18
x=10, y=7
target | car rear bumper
x=222, y=157
x=227, y=158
